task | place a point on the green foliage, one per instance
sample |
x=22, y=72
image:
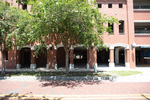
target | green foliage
x=70, y=21
x=9, y=18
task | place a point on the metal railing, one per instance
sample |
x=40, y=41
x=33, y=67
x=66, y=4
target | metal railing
x=142, y=31
x=142, y=7
x=121, y=31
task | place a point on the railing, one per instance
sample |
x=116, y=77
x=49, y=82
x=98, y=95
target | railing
x=142, y=31
x=121, y=31
x=141, y=7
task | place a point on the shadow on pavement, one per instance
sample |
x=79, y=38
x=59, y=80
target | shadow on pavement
x=17, y=96
x=69, y=84
x=145, y=97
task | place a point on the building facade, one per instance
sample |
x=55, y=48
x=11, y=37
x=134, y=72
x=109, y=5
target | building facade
x=128, y=46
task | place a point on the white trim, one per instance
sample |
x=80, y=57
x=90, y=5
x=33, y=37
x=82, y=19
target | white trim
x=127, y=47
x=59, y=45
x=27, y=46
x=18, y=48
x=78, y=45
x=141, y=45
x=47, y=66
x=141, y=10
x=141, y=21
x=111, y=65
x=55, y=47
x=72, y=48
x=33, y=48
x=127, y=65
x=87, y=66
x=107, y=45
x=71, y=66
x=55, y=66
x=32, y=66
x=5, y=60
x=143, y=34
x=95, y=67
x=120, y=44
x=111, y=47
x=18, y=66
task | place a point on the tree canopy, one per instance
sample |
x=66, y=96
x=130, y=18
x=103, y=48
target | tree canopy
x=69, y=22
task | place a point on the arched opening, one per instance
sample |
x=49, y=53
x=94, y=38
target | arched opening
x=41, y=60
x=119, y=56
x=25, y=57
x=80, y=57
x=103, y=57
x=61, y=57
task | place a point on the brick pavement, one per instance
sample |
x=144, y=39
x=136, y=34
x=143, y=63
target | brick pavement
x=79, y=90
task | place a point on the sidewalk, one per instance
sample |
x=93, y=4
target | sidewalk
x=143, y=77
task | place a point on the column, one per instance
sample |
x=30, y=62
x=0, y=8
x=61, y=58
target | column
x=87, y=65
x=111, y=57
x=18, y=58
x=127, y=64
x=55, y=57
x=33, y=58
x=48, y=58
x=117, y=56
x=71, y=66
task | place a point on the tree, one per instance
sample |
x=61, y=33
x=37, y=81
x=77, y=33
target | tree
x=8, y=27
x=69, y=22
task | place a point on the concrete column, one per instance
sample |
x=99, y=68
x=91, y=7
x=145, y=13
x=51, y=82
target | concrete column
x=18, y=59
x=87, y=66
x=48, y=59
x=127, y=64
x=131, y=33
x=71, y=66
x=55, y=57
x=111, y=57
x=33, y=59
x=117, y=56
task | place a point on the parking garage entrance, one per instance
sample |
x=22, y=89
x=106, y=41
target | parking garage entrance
x=142, y=57
x=25, y=57
x=41, y=60
x=80, y=57
x=103, y=57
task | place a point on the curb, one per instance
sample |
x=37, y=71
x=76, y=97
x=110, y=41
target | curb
x=59, y=78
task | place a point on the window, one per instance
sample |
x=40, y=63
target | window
x=110, y=28
x=99, y=5
x=6, y=55
x=109, y=5
x=121, y=26
x=120, y=5
x=24, y=6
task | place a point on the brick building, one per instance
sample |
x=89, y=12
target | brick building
x=128, y=46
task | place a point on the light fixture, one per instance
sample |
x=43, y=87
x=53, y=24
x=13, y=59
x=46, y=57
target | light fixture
x=50, y=47
x=91, y=48
x=133, y=45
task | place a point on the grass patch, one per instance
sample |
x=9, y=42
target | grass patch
x=40, y=74
x=124, y=73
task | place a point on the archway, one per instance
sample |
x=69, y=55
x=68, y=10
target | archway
x=103, y=57
x=25, y=57
x=80, y=57
x=119, y=56
x=61, y=57
x=41, y=61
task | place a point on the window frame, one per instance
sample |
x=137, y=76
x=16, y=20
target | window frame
x=100, y=5
x=121, y=5
x=122, y=23
x=110, y=5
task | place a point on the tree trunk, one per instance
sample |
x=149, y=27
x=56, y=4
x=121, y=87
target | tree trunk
x=67, y=62
x=3, y=63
